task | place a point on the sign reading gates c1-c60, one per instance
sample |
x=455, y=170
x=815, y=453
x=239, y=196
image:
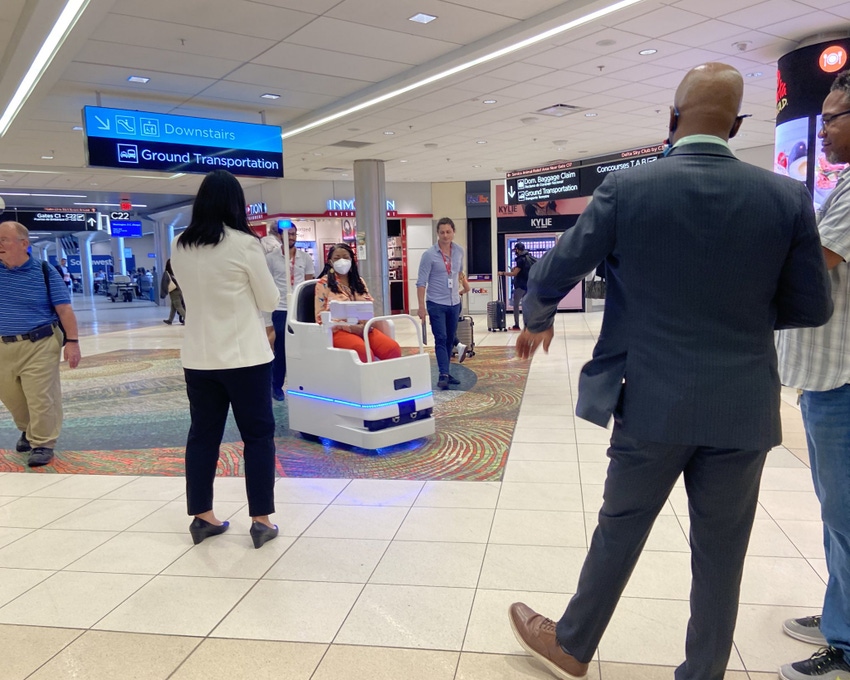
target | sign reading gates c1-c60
x=137, y=140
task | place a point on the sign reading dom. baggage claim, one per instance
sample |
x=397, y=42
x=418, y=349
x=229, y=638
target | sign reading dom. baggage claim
x=119, y=138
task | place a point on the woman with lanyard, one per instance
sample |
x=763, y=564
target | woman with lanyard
x=340, y=280
x=438, y=272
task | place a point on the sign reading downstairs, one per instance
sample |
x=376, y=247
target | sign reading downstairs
x=138, y=140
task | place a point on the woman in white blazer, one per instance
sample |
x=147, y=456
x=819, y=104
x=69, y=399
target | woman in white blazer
x=226, y=357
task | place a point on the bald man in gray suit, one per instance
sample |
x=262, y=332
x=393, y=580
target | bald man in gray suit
x=706, y=256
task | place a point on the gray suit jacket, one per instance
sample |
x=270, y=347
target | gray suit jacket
x=706, y=257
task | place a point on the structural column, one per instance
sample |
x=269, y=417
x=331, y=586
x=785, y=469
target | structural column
x=370, y=200
x=119, y=263
x=84, y=238
x=163, y=234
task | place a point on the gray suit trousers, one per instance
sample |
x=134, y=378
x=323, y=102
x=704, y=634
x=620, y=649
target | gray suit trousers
x=722, y=487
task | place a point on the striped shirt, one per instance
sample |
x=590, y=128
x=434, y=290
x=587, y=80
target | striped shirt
x=434, y=273
x=26, y=305
x=818, y=359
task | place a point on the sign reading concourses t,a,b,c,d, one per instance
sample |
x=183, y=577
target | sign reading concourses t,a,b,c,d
x=138, y=140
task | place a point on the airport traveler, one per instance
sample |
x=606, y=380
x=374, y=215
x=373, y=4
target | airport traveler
x=438, y=291
x=35, y=301
x=685, y=362
x=340, y=280
x=301, y=268
x=817, y=362
x=520, y=270
x=65, y=273
x=225, y=353
x=169, y=286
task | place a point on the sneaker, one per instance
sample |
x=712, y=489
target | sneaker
x=166, y=321
x=536, y=635
x=277, y=394
x=453, y=380
x=806, y=629
x=443, y=382
x=461, y=352
x=828, y=663
x=514, y=328
x=23, y=444
x=40, y=455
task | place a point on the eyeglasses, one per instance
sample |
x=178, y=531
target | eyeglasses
x=826, y=120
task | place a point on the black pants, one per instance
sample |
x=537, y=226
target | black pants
x=211, y=393
x=279, y=364
x=722, y=487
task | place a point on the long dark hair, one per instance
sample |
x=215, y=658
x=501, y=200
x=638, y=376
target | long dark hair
x=354, y=281
x=168, y=268
x=220, y=201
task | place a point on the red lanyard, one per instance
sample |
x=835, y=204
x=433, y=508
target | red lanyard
x=292, y=271
x=447, y=263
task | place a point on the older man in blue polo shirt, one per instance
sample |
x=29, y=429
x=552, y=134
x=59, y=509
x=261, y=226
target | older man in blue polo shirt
x=438, y=275
x=35, y=300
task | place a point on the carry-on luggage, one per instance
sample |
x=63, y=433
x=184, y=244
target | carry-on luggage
x=496, y=312
x=465, y=334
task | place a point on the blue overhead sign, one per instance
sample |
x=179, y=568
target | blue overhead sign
x=126, y=228
x=119, y=138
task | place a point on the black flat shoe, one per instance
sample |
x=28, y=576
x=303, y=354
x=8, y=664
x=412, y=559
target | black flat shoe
x=262, y=533
x=201, y=529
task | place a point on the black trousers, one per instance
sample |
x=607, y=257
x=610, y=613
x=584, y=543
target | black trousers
x=722, y=487
x=279, y=363
x=211, y=394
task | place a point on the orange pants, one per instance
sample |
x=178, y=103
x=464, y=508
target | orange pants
x=383, y=346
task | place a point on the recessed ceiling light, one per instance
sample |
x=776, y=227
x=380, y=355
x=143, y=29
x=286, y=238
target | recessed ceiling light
x=422, y=18
x=590, y=115
x=316, y=153
x=269, y=95
x=587, y=18
x=489, y=101
x=402, y=161
x=646, y=53
x=47, y=158
x=755, y=74
x=389, y=132
x=481, y=141
x=77, y=128
x=138, y=79
x=476, y=166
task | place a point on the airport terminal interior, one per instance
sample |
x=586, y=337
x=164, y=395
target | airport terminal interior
x=399, y=562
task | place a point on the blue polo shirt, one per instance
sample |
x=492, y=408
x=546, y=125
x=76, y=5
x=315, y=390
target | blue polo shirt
x=25, y=304
x=434, y=275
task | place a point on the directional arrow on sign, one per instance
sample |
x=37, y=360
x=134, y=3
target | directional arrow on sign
x=511, y=192
x=91, y=221
x=104, y=124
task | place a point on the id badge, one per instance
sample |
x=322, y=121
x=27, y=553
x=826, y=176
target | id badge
x=451, y=284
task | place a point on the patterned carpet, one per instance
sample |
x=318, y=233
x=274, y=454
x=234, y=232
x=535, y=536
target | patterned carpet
x=126, y=413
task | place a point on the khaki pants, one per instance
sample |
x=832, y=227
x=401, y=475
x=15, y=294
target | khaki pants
x=30, y=388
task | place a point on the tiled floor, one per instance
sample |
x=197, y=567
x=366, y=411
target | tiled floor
x=375, y=579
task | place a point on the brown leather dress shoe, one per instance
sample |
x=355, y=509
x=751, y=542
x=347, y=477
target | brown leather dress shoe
x=536, y=634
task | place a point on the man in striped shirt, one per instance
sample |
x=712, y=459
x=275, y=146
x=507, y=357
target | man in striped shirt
x=35, y=300
x=817, y=362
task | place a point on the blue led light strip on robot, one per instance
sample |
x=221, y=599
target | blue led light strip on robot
x=342, y=402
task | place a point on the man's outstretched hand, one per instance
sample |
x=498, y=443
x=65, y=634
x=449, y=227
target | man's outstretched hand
x=528, y=342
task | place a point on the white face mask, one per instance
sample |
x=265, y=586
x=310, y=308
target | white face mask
x=342, y=266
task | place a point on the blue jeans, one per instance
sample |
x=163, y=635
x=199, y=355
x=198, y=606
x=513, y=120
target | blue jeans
x=826, y=416
x=443, y=326
x=279, y=364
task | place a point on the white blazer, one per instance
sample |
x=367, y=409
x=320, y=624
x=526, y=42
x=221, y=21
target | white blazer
x=226, y=287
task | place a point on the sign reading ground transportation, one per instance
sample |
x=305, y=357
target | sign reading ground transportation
x=137, y=140
x=545, y=183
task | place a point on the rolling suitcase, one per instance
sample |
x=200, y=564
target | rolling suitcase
x=465, y=334
x=496, y=313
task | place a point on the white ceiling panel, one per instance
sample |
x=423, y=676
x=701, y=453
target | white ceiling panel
x=520, y=72
x=254, y=19
x=147, y=61
x=512, y=8
x=712, y=8
x=279, y=80
x=454, y=23
x=116, y=77
x=772, y=11
x=330, y=63
x=166, y=36
x=367, y=41
x=811, y=24
x=705, y=33
x=661, y=22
